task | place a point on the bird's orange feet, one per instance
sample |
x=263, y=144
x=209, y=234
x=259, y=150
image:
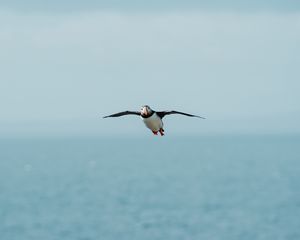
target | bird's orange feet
x=155, y=132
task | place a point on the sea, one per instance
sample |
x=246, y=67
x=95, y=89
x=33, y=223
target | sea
x=150, y=188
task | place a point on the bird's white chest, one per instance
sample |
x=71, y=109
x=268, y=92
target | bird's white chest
x=154, y=122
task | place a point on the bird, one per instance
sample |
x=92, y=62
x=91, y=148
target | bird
x=152, y=119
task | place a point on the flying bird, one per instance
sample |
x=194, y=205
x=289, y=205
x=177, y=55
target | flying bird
x=151, y=118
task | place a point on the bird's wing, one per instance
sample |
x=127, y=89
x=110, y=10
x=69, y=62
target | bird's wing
x=164, y=113
x=123, y=113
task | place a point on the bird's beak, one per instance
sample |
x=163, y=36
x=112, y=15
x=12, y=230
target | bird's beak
x=144, y=111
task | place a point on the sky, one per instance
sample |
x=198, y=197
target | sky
x=65, y=64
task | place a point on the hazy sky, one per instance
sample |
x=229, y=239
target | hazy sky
x=65, y=64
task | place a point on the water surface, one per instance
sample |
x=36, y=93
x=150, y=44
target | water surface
x=242, y=187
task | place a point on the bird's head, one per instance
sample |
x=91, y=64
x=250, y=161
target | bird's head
x=146, y=111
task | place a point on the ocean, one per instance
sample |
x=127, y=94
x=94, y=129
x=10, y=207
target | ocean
x=152, y=188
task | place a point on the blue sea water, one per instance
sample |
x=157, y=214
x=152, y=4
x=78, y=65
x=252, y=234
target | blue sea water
x=222, y=187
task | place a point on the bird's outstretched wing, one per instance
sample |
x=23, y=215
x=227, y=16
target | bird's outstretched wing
x=164, y=113
x=123, y=113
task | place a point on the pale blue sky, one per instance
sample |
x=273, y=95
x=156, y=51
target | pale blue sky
x=157, y=5
x=64, y=65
